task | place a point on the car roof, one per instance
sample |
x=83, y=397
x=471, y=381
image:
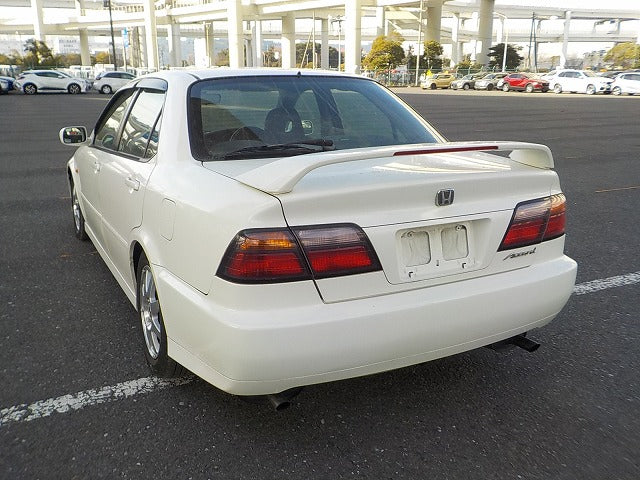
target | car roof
x=224, y=72
x=194, y=75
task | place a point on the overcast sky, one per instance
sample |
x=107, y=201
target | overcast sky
x=569, y=4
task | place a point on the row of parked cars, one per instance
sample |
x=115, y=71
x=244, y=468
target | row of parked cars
x=565, y=80
x=31, y=82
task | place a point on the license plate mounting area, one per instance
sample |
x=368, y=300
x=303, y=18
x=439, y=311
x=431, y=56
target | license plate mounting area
x=435, y=251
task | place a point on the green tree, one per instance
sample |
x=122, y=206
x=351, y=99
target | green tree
x=103, y=57
x=13, y=59
x=38, y=54
x=222, y=59
x=496, y=54
x=70, y=59
x=386, y=53
x=306, y=50
x=625, y=55
x=271, y=58
x=432, y=56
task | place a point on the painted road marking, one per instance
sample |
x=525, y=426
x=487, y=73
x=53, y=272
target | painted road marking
x=605, y=283
x=618, y=189
x=77, y=401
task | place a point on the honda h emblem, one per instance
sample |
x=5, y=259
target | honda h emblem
x=444, y=197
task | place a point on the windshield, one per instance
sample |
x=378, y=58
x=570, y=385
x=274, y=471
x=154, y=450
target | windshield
x=269, y=116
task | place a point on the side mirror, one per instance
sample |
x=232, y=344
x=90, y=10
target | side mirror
x=73, y=135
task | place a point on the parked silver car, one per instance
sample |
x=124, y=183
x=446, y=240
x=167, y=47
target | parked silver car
x=489, y=81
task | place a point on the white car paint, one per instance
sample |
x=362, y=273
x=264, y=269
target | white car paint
x=579, y=81
x=249, y=338
x=628, y=83
x=38, y=81
x=109, y=82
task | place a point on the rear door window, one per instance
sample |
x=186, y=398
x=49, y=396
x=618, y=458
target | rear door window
x=139, y=128
x=109, y=124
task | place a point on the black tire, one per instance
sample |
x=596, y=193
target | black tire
x=74, y=89
x=490, y=86
x=616, y=91
x=30, y=89
x=466, y=86
x=505, y=87
x=154, y=335
x=557, y=88
x=106, y=89
x=591, y=89
x=78, y=217
x=529, y=88
x=433, y=86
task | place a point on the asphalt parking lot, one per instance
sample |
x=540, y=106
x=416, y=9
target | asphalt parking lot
x=76, y=400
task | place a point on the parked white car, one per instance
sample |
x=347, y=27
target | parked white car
x=276, y=229
x=109, y=82
x=626, y=83
x=579, y=81
x=31, y=82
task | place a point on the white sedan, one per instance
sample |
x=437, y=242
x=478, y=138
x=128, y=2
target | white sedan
x=277, y=229
x=579, y=81
x=109, y=82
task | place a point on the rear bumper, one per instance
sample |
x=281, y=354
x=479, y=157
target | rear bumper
x=262, y=349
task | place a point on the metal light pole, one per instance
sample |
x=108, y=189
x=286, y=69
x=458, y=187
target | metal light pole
x=419, y=41
x=506, y=40
x=107, y=3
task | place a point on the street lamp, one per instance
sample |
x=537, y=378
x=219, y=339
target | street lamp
x=107, y=3
x=506, y=39
x=419, y=41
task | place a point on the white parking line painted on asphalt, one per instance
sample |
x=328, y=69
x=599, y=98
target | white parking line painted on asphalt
x=77, y=401
x=605, y=283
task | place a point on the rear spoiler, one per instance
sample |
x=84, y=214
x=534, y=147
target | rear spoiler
x=282, y=175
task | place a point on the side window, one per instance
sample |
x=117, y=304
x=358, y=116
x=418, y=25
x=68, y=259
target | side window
x=139, y=127
x=109, y=125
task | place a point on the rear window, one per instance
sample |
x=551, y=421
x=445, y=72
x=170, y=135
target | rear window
x=229, y=114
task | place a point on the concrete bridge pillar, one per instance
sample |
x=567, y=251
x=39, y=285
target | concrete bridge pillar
x=288, y=42
x=485, y=30
x=352, y=35
x=434, y=22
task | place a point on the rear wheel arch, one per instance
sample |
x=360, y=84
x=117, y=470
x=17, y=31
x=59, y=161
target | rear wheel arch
x=136, y=254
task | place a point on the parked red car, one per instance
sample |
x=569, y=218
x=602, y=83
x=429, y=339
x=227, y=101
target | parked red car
x=523, y=81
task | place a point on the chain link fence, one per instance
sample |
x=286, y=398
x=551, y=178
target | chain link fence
x=407, y=78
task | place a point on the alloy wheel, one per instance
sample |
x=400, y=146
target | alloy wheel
x=150, y=312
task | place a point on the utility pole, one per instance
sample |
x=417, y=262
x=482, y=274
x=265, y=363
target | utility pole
x=107, y=3
x=419, y=42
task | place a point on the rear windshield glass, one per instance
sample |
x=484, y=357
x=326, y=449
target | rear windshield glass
x=237, y=117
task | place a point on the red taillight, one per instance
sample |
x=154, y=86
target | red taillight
x=259, y=256
x=280, y=255
x=334, y=250
x=535, y=221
